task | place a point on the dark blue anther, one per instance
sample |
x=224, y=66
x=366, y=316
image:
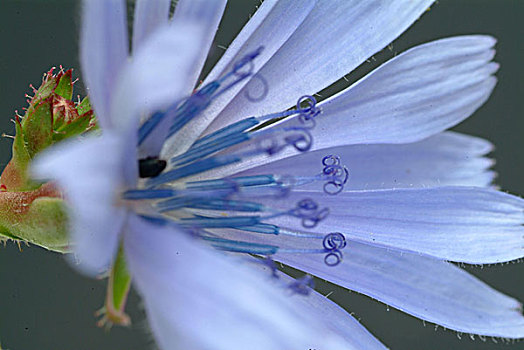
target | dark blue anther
x=302, y=285
x=333, y=244
x=336, y=173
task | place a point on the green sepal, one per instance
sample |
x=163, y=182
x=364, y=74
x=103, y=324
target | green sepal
x=121, y=280
x=64, y=87
x=37, y=126
x=118, y=286
x=20, y=153
x=84, y=106
x=47, y=88
x=15, y=177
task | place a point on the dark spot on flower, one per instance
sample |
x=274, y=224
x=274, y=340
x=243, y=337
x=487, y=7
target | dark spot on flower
x=150, y=166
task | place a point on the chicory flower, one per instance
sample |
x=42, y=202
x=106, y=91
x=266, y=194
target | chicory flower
x=364, y=189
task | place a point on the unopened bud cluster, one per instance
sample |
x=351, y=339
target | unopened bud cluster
x=31, y=211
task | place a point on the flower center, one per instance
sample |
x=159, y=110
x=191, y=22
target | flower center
x=197, y=189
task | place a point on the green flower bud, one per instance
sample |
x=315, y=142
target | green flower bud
x=31, y=211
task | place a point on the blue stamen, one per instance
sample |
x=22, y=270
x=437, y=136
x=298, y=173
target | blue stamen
x=210, y=204
x=194, y=104
x=333, y=243
x=241, y=247
x=308, y=113
x=208, y=149
x=148, y=194
x=336, y=173
x=234, y=182
x=247, y=60
x=175, y=203
x=276, y=115
x=222, y=204
x=268, y=141
x=300, y=234
x=309, y=212
x=273, y=140
x=203, y=97
x=148, y=126
x=220, y=222
x=192, y=169
x=232, y=129
x=222, y=148
x=261, y=228
x=156, y=220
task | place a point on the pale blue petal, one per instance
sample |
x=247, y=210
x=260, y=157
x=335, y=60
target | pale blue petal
x=415, y=95
x=103, y=52
x=464, y=224
x=424, y=287
x=155, y=78
x=196, y=298
x=149, y=16
x=270, y=27
x=337, y=319
x=446, y=159
x=265, y=28
x=208, y=14
x=336, y=37
x=89, y=172
x=411, y=97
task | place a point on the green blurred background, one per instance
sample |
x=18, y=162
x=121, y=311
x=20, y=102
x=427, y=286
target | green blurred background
x=44, y=304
